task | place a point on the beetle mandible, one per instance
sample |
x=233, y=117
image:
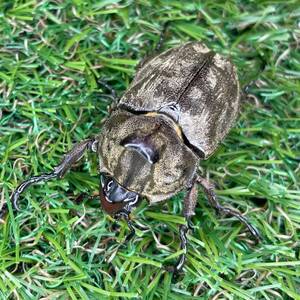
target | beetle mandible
x=179, y=107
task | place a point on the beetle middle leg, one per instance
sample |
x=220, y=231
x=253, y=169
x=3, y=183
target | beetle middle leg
x=73, y=156
x=162, y=38
x=157, y=48
x=112, y=91
x=212, y=198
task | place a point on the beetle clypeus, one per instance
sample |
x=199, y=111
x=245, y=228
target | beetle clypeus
x=179, y=107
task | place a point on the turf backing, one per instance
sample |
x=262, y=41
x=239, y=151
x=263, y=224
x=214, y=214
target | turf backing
x=54, y=58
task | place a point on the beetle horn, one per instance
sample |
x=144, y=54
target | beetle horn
x=70, y=158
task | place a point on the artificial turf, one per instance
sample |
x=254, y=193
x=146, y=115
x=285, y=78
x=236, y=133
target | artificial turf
x=56, y=58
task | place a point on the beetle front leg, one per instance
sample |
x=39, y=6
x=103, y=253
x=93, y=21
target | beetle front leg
x=212, y=198
x=73, y=156
x=125, y=215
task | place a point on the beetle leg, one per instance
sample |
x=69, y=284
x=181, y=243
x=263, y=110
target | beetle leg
x=157, y=48
x=124, y=213
x=162, y=38
x=132, y=230
x=111, y=90
x=212, y=198
x=183, y=229
x=3, y=210
x=189, y=205
x=73, y=156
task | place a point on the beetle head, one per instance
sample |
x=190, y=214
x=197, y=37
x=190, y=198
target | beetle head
x=114, y=197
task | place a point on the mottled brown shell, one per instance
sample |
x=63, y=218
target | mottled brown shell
x=173, y=169
x=196, y=87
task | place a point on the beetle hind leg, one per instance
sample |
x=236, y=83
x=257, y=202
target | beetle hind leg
x=189, y=205
x=212, y=198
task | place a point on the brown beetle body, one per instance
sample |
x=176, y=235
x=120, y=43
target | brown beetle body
x=193, y=95
x=179, y=107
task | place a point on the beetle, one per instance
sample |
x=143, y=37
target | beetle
x=179, y=107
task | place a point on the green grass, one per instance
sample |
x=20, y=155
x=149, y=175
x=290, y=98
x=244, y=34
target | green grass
x=53, y=57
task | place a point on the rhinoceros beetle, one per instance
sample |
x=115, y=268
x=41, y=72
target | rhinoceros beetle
x=179, y=107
